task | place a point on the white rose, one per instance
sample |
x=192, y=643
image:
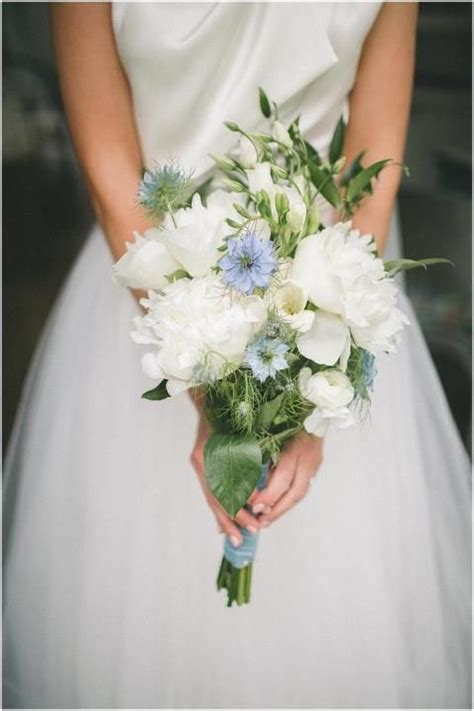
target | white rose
x=199, y=231
x=146, y=263
x=247, y=153
x=331, y=391
x=319, y=425
x=198, y=329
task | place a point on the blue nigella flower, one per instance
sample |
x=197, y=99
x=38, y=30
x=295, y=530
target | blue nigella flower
x=163, y=188
x=265, y=357
x=369, y=371
x=249, y=262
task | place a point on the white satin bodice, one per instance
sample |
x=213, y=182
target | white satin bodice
x=192, y=66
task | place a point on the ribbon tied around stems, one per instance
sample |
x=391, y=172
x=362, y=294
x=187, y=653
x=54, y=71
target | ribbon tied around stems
x=243, y=555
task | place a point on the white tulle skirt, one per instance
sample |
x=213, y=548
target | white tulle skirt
x=361, y=594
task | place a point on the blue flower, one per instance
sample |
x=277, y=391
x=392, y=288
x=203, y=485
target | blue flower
x=265, y=357
x=249, y=262
x=163, y=188
x=369, y=371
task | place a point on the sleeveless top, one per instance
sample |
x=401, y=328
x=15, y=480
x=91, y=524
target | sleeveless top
x=192, y=66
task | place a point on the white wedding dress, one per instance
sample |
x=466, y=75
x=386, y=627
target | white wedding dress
x=361, y=594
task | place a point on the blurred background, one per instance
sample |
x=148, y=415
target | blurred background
x=46, y=214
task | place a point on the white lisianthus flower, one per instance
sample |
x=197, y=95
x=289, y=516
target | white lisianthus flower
x=280, y=134
x=247, y=153
x=260, y=178
x=198, y=330
x=343, y=277
x=290, y=300
x=199, y=231
x=332, y=392
x=146, y=263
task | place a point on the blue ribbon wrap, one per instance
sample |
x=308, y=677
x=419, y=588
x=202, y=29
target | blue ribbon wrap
x=244, y=554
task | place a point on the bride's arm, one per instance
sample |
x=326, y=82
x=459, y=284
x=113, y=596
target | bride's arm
x=380, y=109
x=99, y=110
x=380, y=106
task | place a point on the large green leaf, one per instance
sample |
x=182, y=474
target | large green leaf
x=363, y=179
x=324, y=184
x=233, y=464
x=158, y=393
x=394, y=266
x=337, y=141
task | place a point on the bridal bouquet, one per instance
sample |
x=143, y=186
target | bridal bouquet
x=276, y=317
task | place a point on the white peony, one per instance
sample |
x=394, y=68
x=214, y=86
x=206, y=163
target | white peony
x=199, y=231
x=146, y=263
x=260, y=178
x=198, y=331
x=343, y=277
x=332, y=392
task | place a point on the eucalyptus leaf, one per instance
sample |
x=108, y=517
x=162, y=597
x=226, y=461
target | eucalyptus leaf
x=363, y=179
x=158, y=393
x=264, y=103
x=337, y=141
x=324, y=183
x=394, y=266
x=269, y=411
x=233, y=464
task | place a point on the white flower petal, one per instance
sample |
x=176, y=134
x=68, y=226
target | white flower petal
x=326, y=339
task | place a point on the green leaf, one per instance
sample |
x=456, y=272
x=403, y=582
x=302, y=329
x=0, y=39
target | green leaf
x=269, y=411
x=337, y=141
x=178, y=274
x=158, y=393
x=264, y=103
x=324, y=183
x=394, y=266
x=353, y=169
x=362, y=181
x=233, y=465
x=294, y=129
x=312, y=153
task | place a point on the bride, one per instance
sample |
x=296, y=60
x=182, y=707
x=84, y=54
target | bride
x=361, y=592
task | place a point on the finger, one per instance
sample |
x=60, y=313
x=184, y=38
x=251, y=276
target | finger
x=279, y=483
x=298, y=491
x=245, y=519
x=252, y=496
x=228, y=527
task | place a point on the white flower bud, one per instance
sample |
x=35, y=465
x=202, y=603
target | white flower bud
x=281, y=135
x=296, y=216
x=248, y=154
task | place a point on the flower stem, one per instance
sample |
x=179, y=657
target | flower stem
x=237, y=582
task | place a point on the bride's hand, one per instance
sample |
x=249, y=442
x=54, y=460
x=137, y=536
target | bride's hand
x=225, y=524
x=290, y=480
